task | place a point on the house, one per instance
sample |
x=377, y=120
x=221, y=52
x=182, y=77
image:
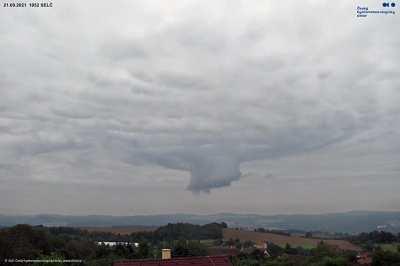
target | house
x=183, y=261
x=364, y=259
x=264, y=248
x=112, y=244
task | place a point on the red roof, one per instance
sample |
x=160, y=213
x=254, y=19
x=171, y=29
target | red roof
x=364, y=259
x=186, y=261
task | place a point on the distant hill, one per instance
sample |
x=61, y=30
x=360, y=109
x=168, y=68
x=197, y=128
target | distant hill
x=281, y=240
x=348, y=222
x=122, y=230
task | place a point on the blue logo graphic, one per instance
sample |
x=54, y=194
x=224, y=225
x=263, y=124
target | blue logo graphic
x=385, y=4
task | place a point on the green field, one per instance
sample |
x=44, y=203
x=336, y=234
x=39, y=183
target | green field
x=207, y=242
x=305, y=246
x=390, y=247
x=308, y=246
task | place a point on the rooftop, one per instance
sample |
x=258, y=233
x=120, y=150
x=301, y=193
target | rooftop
x=184, y=261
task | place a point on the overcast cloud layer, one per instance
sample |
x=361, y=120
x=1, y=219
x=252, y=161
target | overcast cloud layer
x=141, y=106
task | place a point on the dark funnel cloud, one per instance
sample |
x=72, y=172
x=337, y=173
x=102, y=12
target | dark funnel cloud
x=213, y=172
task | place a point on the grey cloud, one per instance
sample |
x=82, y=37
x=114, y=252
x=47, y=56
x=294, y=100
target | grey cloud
x=73, y=114
x=200, y=89
x=125, y=50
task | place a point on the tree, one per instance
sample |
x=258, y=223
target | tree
x=274, y=250
x=290, y=250
x=76, y=249
x=180, y=249
x=51, y=260
x=323, y=250
x=22, y=241
x=196, y=248
x=248, y=244
x=335, y=261
x=143, y=250
x=385, y=258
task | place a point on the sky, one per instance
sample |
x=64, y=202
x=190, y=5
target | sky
x=147, y=107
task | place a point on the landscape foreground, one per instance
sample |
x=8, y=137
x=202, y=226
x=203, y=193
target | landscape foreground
x=142, y=245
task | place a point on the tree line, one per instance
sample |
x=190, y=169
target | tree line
x=38, y=242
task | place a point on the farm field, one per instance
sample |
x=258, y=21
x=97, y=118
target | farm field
x=122, y=230
x=281, y=240
x=390, y=247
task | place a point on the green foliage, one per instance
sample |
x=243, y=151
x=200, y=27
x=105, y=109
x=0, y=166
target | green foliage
x=322, y=250
x=48, y=258
x=144, y=250
x=275, y=250
x=332, y=261
x=76, y=249
x=248, y=244
x=322, y=255
x=377, y=240
x=189, y=231
x=22, y=241
x=184, y=248
x=385, y=258
x=394, y=247
x=27, y=242
x=375, y=237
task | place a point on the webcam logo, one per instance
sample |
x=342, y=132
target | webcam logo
x=363, y=11
x=386, y=4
